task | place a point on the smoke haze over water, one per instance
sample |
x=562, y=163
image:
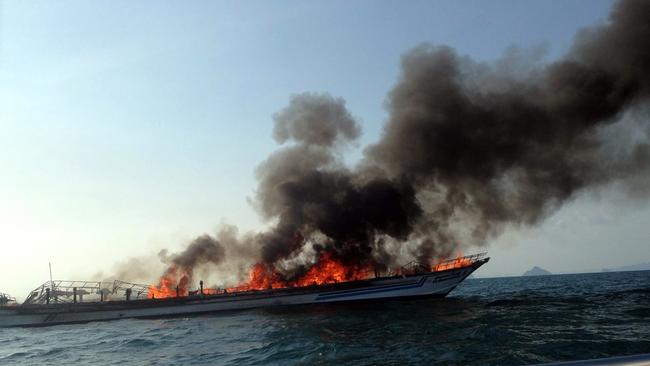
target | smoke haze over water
x=469, y=149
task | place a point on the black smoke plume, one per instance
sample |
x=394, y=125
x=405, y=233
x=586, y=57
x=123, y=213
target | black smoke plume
x=468, y=149
x=202, y=250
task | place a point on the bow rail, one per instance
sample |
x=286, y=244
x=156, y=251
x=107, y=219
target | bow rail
x=59, y=291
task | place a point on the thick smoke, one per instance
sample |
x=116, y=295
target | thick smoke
x=201, y=251
x=315, y=119
x=468, y=150
x=312, y=194
x=501, y=150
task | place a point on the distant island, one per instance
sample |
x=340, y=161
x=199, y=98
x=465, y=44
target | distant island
x=537, y=271
x=634, y=267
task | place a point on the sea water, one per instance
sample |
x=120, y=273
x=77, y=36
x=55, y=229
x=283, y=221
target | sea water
x=501, y=321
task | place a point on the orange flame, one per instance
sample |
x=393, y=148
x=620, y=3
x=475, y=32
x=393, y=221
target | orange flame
x=326, y=270
x=260, y=278
x=330, y=270
x=459, y=262
x=173, y=283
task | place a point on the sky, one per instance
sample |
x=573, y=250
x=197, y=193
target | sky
x=129, y=127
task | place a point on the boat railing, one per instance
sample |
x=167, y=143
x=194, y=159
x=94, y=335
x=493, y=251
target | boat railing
x=60, y=291
x=6, y=299
x=415, y=267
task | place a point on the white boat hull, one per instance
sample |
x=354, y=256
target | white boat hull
x=434, y=284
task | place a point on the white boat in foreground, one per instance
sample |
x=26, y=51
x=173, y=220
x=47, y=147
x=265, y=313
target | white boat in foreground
x=66, y=303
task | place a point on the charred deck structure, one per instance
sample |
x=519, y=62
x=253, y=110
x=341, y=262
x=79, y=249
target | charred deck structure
x=60, y=302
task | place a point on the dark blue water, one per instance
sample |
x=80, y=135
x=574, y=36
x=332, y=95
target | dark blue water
x=504, y=321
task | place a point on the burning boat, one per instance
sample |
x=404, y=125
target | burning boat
x=61, y=302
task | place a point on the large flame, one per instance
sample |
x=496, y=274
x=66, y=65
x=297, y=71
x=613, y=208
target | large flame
x=459, y=262
x=326, y=270
x=172, y=284
x=330, y=270
x=260, y=278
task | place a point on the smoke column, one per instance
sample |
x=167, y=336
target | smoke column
x=468, y=150
x=201, y=251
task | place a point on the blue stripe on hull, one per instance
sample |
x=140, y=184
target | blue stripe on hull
x=352, y=293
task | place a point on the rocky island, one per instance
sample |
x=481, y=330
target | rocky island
x=537, y=271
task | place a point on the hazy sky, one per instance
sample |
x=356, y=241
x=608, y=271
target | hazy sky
x=128, y=127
